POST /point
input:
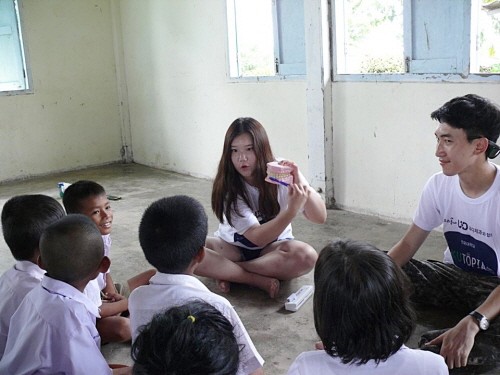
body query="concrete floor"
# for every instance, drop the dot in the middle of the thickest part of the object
(278, 334)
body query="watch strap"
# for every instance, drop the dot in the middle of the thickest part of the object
(481, 320)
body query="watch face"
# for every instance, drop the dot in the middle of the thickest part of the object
(482, 321)
(484, 324)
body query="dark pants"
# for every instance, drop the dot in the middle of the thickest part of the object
(447, 287)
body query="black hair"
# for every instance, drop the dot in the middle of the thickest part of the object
(362, 310)
(477, 116)
(71, 249)
(24, 218)
(77, 192)
(229, 186)
(172, 231)
(192, 339)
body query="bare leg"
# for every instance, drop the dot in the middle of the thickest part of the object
(284, 260)
(219, 267)
(114, 329)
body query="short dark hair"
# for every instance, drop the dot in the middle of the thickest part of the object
(78, 191)
(172, 231)
(71, 249)
(24, 217)
(362, 310)
(477, 116)
(192, 339)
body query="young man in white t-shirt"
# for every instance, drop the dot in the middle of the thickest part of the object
(465, 199)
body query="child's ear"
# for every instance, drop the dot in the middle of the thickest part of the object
(39, 262)
(104, 265)
(36, 255)
(200, 255)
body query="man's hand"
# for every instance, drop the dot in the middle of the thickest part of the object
(457, 342)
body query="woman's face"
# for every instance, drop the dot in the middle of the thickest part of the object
(243, 157)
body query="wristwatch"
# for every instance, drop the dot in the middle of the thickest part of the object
(482, 321)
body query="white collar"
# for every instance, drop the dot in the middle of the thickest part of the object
(54, 286)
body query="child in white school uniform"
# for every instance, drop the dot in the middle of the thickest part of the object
(362, 314)
(89, 198)
(53, 330)
(172, 235)
(181, 341)
(24, 217)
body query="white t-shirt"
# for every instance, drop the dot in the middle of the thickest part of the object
(471, 226)
(406, 361)
(53, 332)
(15, 283)
(168, 290)
(250, 217)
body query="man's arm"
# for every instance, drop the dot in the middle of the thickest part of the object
(404, 250)
(457, 342)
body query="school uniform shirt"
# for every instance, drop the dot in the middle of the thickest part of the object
(168, 290)
(250, 216)
(93, 292)
(405, 361)
(94, 287)
(53, 332)
(15, 283)
(101, 278)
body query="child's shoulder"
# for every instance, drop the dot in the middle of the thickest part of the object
(21, 278)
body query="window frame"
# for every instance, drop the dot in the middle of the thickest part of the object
(24, 54)
(232, 47)
(411, 76)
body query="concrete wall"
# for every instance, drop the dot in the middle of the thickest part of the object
(72, 119)
(181, 101)
(384, 144)
(172, 84)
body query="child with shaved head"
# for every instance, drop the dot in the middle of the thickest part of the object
(53, 330)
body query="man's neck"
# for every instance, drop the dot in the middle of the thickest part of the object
(476, 183)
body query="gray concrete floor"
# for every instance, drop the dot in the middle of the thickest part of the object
(278, 334)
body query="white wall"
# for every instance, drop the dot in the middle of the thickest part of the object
(181, 102)
(383, 142)
(72, 119)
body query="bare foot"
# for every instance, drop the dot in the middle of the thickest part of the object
(224, 286)
(274, 288)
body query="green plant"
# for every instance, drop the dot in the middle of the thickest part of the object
(382, 65)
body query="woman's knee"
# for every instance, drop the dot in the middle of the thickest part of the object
(310, 256)
(303, 254)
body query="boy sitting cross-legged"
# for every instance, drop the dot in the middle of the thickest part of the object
(53, 331)
(172, 235)
(24, 217)
(90, 199)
